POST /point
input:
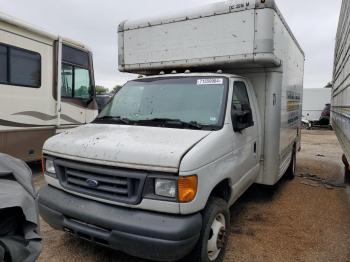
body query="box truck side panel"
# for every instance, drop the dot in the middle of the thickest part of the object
(341, 81)
(279, 93)
(292, 87)
(197, 40)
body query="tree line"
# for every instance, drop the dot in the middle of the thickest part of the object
(100, 90)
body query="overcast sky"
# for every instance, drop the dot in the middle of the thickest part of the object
(95, 22)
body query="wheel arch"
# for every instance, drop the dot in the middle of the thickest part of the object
(222, 190)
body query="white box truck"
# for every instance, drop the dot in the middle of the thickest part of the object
(315, 101)
(340, 112)
(219, 110)
(47, 85)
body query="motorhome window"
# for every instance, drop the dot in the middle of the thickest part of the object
(25, 68)
(67, 81)
(3, 64)
(81, 83)
(75, 56)
(190, 99)
(75, 82)
(19, 67)
(240, 101)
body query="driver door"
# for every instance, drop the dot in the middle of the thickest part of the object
(246, 133)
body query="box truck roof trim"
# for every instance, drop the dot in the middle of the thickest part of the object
(206, 11)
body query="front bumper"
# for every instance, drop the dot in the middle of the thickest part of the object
(139, 233)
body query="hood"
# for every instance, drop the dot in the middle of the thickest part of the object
(150, 148)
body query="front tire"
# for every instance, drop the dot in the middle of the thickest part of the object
(214, 234)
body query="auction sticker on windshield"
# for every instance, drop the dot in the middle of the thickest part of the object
(210, 81)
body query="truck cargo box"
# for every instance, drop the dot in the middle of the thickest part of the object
(227, 34)
(341, 81)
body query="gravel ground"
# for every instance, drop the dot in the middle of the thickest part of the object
(299, 220)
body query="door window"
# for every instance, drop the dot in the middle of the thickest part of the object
(242, 116)
(240, 100)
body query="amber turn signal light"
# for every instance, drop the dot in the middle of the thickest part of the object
(187, 188)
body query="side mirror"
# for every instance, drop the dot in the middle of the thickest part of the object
(241, 119)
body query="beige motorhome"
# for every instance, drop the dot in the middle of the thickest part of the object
(47, 86)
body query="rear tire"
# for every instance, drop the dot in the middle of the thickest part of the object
(290, 173)
(214, 233)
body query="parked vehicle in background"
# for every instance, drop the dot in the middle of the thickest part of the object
(102, 100)
(340, 111)
(322, 122)
(305, 124)
(47, 86)
(155, 174)
(325, 115)
(314, 102)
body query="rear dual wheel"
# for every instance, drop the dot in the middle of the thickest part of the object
(291, 171)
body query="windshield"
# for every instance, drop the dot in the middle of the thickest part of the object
(187, 100)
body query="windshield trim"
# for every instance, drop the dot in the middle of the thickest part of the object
(216, 127)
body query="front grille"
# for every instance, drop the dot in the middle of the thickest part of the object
(115, 184)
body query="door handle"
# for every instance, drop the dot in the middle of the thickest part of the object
(255, 147)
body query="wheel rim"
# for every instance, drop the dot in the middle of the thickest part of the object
(217, 237)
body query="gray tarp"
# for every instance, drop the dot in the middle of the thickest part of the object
(19, 225)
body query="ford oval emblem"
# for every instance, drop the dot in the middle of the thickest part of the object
(92, 182)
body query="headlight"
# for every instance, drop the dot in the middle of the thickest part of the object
(165, 187)
(49, 166)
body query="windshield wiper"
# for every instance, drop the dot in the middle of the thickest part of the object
(123, 120)
(194, 124)
(172, 122)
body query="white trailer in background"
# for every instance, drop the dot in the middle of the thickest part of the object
(219, 110)
(46, 86)
(341, 83)
(314, 102)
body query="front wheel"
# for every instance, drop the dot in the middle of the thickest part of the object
(215, 230)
